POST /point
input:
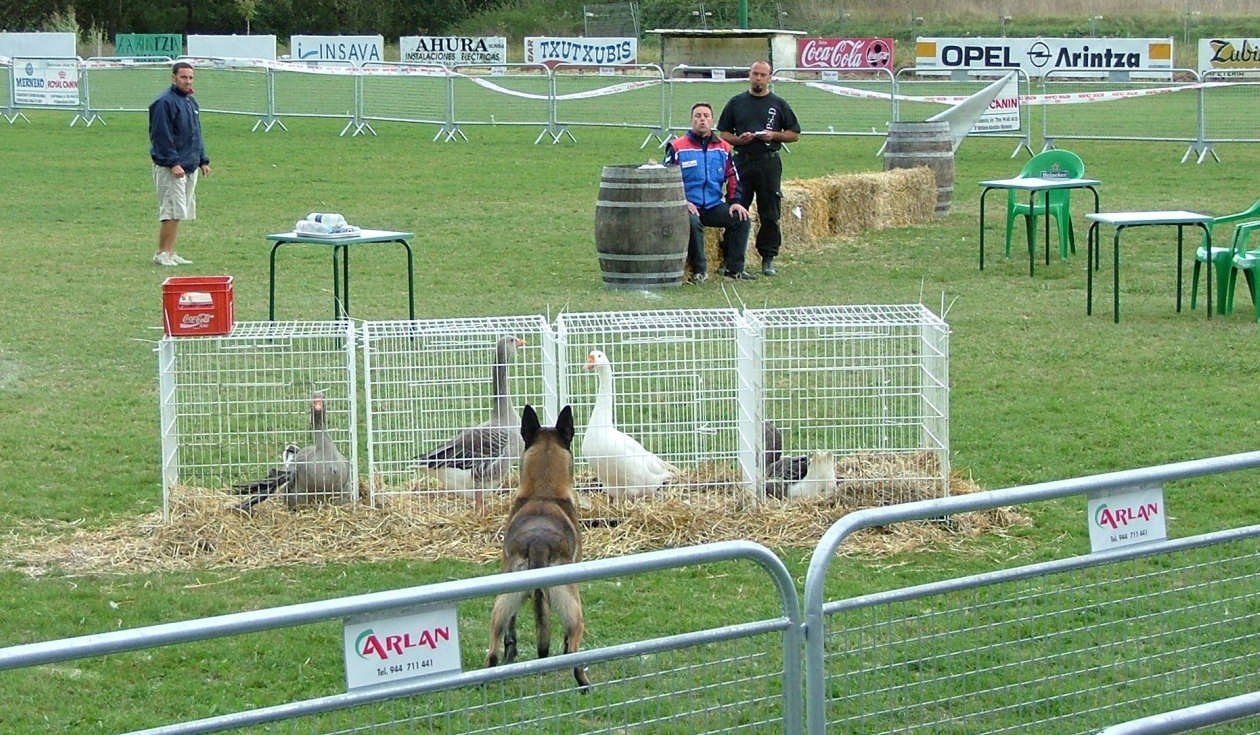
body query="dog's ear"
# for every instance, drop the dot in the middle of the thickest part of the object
(529, 425)
(564, 425)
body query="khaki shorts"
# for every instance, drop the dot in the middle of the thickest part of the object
(177, 198)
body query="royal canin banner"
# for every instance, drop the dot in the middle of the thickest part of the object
(844, 53)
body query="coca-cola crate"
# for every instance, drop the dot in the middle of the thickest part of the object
(197, 306)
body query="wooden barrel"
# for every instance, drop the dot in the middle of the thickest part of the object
(641, 227)
(913, 144)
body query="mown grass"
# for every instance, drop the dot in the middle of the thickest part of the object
(504, 226)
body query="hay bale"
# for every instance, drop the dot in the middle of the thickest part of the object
(851, 196)
(843, 204)
(908, 197)
(805, 211)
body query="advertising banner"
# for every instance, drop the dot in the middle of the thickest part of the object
(352, 49)
(1228, 54)
(1036, 56)
(254, 46)
(53, 44)
(409, 643)
(1125, 516)
(453, 50)
(586, 51)
(844, 53)
(134, 45)
(993, 109)
(46, 82)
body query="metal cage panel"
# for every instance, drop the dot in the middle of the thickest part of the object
(675, 386)
(427, 380)
(229, 404)
(870, 384)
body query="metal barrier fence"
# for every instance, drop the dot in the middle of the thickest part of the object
(1240, 713)
(1198, 111)
(921, 92)
(1231, 103)
(1065, 646)
(734, 676)
(1152, 105)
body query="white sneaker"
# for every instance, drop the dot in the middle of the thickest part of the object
(164, 258)
(180, 260)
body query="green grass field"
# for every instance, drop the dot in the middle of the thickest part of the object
(504, 226)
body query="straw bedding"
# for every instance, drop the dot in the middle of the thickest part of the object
(840, 205)
(206, 532)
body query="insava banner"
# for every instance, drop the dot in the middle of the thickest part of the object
(352, 49)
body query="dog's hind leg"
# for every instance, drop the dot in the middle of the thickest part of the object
(542, 622)
(509, 641)
(503, 628)
(568, 606)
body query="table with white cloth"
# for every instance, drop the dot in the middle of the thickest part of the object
(1034, 185)
(341, 244)
(1121, 221)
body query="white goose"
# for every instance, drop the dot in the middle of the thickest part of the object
(623, 466)
(798, 477)
(480, 457)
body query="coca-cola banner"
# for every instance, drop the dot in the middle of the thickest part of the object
(844, 53)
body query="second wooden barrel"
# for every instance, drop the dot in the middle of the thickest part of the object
(913, 144)
(641, 227)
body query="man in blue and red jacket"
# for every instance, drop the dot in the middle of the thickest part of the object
(712, 190)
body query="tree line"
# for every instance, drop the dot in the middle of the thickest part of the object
(283, 18)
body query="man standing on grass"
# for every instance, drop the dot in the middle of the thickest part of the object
(757, 123)
(712, 190)
(179, 156)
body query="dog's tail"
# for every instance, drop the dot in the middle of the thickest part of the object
(539, 555)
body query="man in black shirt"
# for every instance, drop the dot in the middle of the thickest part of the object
(757, 123)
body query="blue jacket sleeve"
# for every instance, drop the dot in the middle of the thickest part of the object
(162, 134)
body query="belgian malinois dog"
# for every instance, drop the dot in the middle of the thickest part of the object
(542, 531)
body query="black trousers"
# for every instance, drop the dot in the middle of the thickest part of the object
(734, 239)
(760, 178)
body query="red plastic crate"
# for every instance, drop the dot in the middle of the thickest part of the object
(197, 306)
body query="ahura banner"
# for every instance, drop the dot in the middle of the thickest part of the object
(453, 50)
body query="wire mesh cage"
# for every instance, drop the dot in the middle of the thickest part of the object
(778, 402)
(428, 381)
(868, 385)
(671, 384)
(230, 404)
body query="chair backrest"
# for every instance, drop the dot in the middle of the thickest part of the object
(1055, 163)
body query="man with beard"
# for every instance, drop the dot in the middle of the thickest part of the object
(757, 123)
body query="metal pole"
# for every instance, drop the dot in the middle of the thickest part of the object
(743, 14)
